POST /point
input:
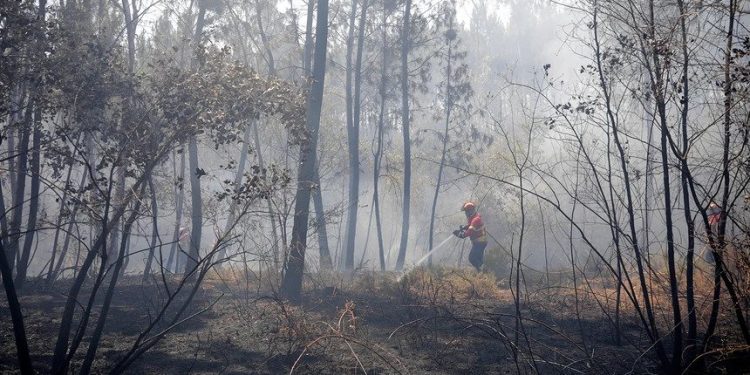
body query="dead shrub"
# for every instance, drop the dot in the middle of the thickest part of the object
(444, 286)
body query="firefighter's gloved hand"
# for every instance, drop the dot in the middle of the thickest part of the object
(457, 233)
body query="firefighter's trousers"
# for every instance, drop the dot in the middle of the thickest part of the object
(476, 255)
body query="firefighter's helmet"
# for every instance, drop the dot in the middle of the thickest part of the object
(469, 207)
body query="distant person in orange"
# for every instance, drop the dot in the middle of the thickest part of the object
(476, 232)
(714, 213)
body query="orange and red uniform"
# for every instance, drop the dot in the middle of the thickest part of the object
(475, 231)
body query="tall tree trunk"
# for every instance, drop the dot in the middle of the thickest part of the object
(652, 328)
(23, 264)
(179, 193)
(19, 195)
(405, 114)
(658, 89)
(448, 109)
(347, 253)
(269, 205)
(354, 107)
(291, 285)
(378, 156)
(96, 335)
(320, 223)
(237, 181)
(320, 220)
(307, 51)
(60, 357)
(195, 186)
(154, 230)
(58, 225)
(68, 232)
(264, 39)
(691, 341)
(16, 315)
(259, 151)
(720, 246)
(197, 208)
(581, 330)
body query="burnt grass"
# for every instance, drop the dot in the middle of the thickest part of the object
(444, 322)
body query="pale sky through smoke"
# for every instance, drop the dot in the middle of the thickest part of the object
(501, 10)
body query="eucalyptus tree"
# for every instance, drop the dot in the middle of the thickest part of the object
(456, 93)
(354, 110)
(405, 129)
(291, 285)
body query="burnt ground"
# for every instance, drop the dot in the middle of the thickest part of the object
(444, 322)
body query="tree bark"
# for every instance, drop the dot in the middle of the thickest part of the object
(651, 328)
(23, 264)
(196, 200)
(96, 335)
(320, 223)
(354, 107)
(291, 285)
(19, 330)
(154, 230)
(320, 220)
(657, 87)
(405, 114)
(448, 109)
(378, 156)
(174, 252)
(19, 195)
(691, 341)
(237, 181)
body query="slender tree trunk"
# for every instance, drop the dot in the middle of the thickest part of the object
(58, 226)
(357, 111)
(96, 335)
(98, 248)
(59, 360)
(196, 200)
(544, 237)
(691, 341)
(16, 315)
(720, 246)
(20, 190)
(320, 224)
(657, 87)
(448, 109)
(237, 181)
(23, 264)
(179, 193)
(264, 39)
(69, 230)
(405, 114)
(651, 329)
(307, 50)
(269, 205)
(154, 229)
(581, 330)
(378, 156)
(517, 296)
(320, 220)
(197, 208)
(347, 257)
(291, 286)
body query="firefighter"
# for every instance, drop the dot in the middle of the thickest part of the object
(476, 233)
(714, 213)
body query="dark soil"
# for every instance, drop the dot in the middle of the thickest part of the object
(451, 323)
